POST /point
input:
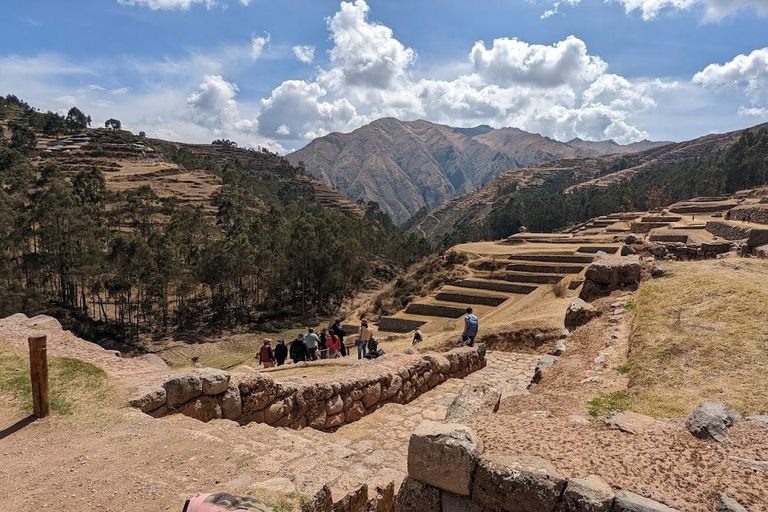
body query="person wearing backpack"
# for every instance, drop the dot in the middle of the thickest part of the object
(471, 326)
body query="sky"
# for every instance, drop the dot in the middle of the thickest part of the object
(279, 73)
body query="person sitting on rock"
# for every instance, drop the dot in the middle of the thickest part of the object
(471, 326)
(281, 352)
(266, 356)
(417, 337)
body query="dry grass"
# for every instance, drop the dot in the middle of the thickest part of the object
(559, 288)
(701, 334)
(306, 371)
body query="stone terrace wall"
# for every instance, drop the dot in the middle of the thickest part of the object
(755, 213)
(448, 471)
(726, 230)
(326, 404)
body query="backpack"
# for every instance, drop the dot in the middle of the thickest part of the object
(472, 324)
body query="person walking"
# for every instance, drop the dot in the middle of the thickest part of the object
(281, 352)
(311, 341)
(334, 346)
(363, 337)
(340, 332)
(298, 349)
(471, 326)
(266, 356)
(323, 344)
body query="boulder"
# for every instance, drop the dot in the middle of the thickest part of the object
(355, 501)
(631, 239)
(454, 503)
(472, 399)
(611, 272)
(335, 405)
(231, 406)
(631, 502)
(544, 362)
(560, 347)
(214, 381)
(322, 501)
(444, 455)
(415, 496)
(182, 388)
(631, 422)
(727, 504)
(627, 250)
(657, 272)
(579, 313)
(355, 412)
(148, 398)
(517, 484)
(204, 408)
(384, 500)
(590, 494)
(711, 420)
(334, 421)
(371, 394)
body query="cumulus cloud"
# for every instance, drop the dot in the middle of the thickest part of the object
(560, 90)
(753, 112)
(258, 43)
(747, 74)
(714, 10)
(305, 53)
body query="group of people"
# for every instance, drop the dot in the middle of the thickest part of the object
(329, 344)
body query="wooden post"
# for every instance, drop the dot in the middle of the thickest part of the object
(38, 371)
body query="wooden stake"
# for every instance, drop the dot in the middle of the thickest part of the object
(38, 371)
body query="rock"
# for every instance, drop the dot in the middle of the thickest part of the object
(214, 381)
(454, 503)
(577, 419)
(711, 420)
(322, 501)
(415, 496)
(559, 349)
(154, 360)
(657, 272)
(471, 400)
(631, 422)
(544, 362)
(631, 239)
(334, 421)
(618, 304)
(631, 502)
(626, 250)
(204, 408)
(591, 380)
(335, 405)
(277, 484)
(276, 411)
(148, 398)
(231, 406)
(384, 500)
(579, 313)
(590, 494)
(517, 484)
(355, 412)
(754, 465)
(371, 394)
(444, 455)
(182, 388)
(564, 334)
(727, 504)
(411, 351)
(600, 359)
(760, 418)
(355, 501)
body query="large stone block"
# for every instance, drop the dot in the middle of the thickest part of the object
(321, 501)
(444, 455)
(631, 502)
(473, 399)
(148, 399)
(517, 484)
(231, 406)
(371, 394)
(204, 408)
(182, 388)
(590, 494)
(453, 503)
(214, 381)
(415, 496)
(355, 501)
(579, 313)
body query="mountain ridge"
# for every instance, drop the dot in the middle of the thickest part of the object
(407, 166)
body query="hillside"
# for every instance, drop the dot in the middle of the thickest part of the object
(407, 166)
(555, 194)
(133, 236)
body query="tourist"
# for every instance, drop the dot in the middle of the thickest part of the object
(417, 337)
(281, 352)
(334, 345)
(311, 341)
(471, 326)
(266, 357)
(364, 336)
(340, 332)
(323, 344)
(298, 349)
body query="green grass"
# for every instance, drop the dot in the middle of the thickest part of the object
(602, 404)
(72, 382)
(630, 306)
(624, 368)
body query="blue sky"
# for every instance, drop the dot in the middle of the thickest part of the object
(279, 73)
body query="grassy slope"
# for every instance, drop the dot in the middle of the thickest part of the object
(700, 334)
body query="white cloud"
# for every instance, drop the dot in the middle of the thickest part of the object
(178, 5)
(283, 130)
(305, 53)
(213, 104)
(258, 43)
(753, 112)
(714, 10)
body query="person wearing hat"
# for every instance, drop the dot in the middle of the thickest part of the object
(266, 356)
(281, 352)
(298, 349)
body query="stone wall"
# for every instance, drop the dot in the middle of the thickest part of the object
(726, 230)
(448, 471)
(755, 213)
(251, 396)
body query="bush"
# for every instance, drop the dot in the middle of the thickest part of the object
(558, 288)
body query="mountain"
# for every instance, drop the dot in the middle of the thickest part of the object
(607, 147)
(552, 195)
(409, 165)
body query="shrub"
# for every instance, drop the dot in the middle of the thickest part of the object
(558, 288)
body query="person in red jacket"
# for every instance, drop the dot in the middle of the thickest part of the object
(266, 356)
(333, 343)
